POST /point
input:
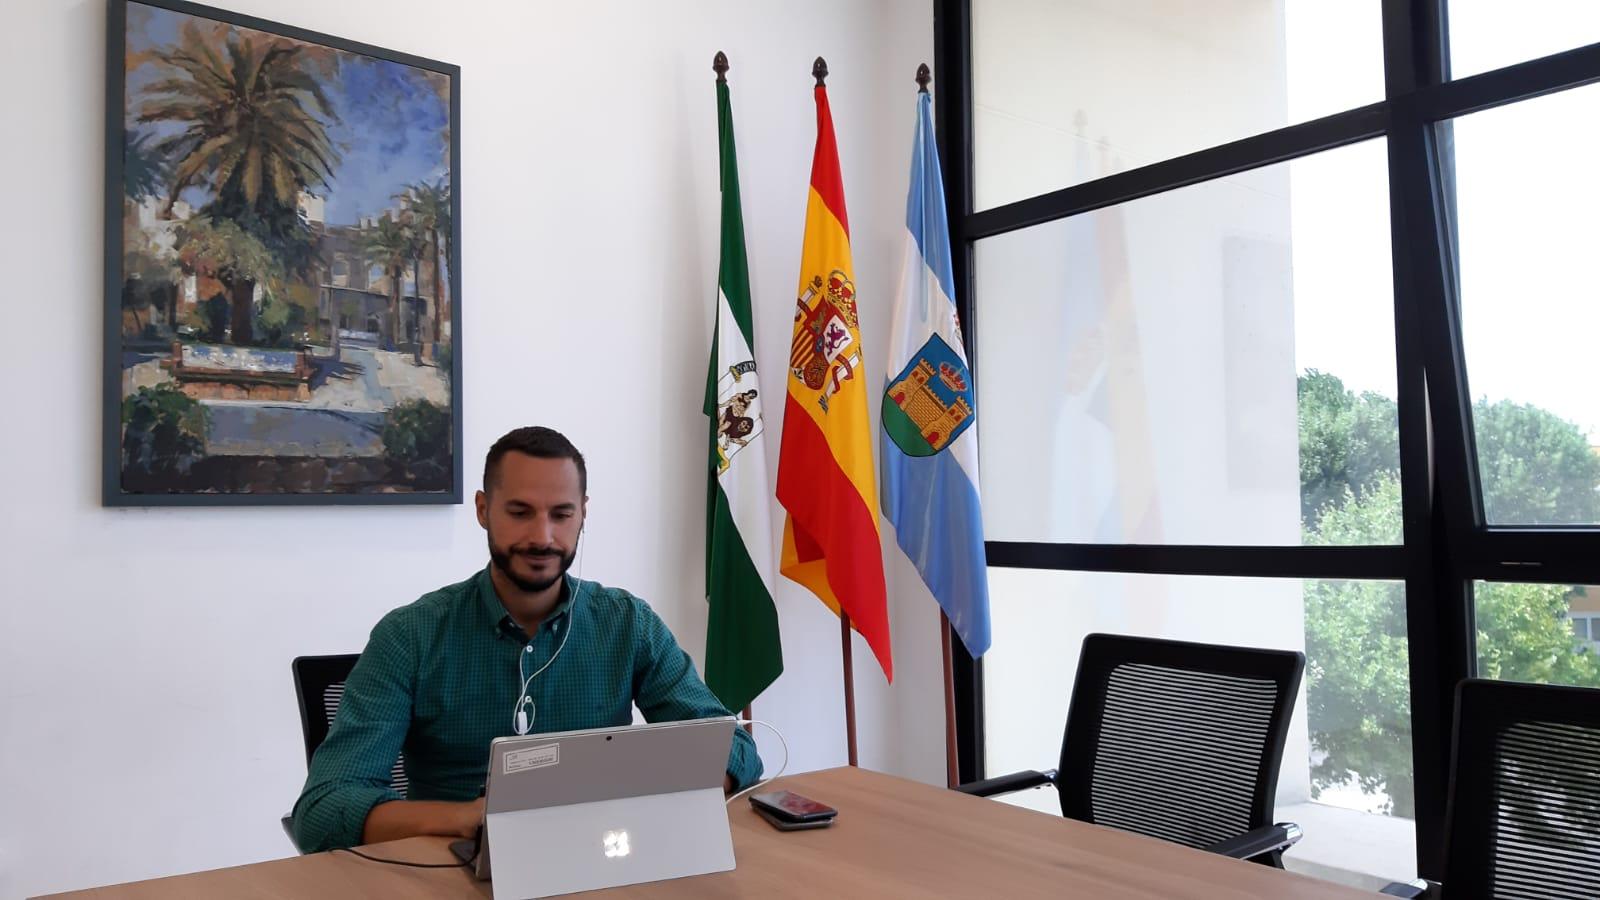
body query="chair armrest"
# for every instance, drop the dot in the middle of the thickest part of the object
(1006, 784)
(1258, 841)
(1411, 890)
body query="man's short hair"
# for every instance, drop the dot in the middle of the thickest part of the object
(536, 441)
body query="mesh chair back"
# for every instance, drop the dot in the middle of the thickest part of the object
(319, 687)
(1524, 816)
(1175, 740)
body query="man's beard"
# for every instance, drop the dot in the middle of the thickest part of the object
(502, 559)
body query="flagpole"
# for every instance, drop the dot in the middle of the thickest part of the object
(952, 769)
(849, 686)
(719, 64)
(750, 715)
(819, 70)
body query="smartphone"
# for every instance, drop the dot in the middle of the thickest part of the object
(791, 807)
(786, 825)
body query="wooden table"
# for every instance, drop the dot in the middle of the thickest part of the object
(893, 838)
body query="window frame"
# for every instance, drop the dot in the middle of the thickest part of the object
(1447, 543)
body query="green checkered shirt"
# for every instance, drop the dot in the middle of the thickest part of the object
(439, 680)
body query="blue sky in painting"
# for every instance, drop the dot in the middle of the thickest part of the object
(389, 127)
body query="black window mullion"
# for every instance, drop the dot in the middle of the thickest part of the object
(1282, 145)
(1430, 409)
(1550, 555)
(1173, 559)
(1512, 84)
(952, 98)
(1429, 719)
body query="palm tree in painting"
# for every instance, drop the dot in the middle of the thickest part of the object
(430, 205)
(144, 168)
(391, 246)
(254, 136)
(416, 246)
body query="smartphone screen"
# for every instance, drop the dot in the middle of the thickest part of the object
(793, 807)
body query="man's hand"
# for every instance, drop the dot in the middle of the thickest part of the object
(472, 819)
(728, 784)
(409, 818)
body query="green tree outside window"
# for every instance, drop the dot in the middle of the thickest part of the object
(1536, 468)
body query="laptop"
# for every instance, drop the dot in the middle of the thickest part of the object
(605, 807)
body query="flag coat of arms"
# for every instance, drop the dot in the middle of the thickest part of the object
(928, 444)
(826, 481)
(743, 651)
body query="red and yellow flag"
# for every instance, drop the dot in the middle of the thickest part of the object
(826, 479)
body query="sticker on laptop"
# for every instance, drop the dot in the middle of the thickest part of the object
(532, 758)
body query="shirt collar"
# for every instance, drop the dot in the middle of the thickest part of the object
(496, 612)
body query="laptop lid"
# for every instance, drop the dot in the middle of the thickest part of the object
(582, 810)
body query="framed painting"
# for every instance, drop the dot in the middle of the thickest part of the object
(282, 263)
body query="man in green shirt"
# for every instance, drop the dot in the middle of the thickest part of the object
(520, 647)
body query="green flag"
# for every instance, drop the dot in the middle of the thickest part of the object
(743, 653)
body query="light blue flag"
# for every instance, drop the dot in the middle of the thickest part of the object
(928, 448)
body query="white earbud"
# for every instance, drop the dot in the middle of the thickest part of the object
(523, 721)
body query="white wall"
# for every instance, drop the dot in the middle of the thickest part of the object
(147, 719)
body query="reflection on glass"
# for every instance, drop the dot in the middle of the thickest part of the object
(1211, 365)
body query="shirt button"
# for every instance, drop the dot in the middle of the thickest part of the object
(528, 649)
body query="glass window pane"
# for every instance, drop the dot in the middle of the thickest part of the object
(1346, 777)
(1580, 628)
(1523, 632)
(1526, 247)
(1065, 91)
(1490, 34)
(1212, 365)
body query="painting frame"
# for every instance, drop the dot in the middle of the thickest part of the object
(113, 489)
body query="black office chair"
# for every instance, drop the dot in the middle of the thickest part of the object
(319, 687)
(1177, 741)
(1524, 814)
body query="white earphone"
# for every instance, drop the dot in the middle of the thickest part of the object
(526, 710)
